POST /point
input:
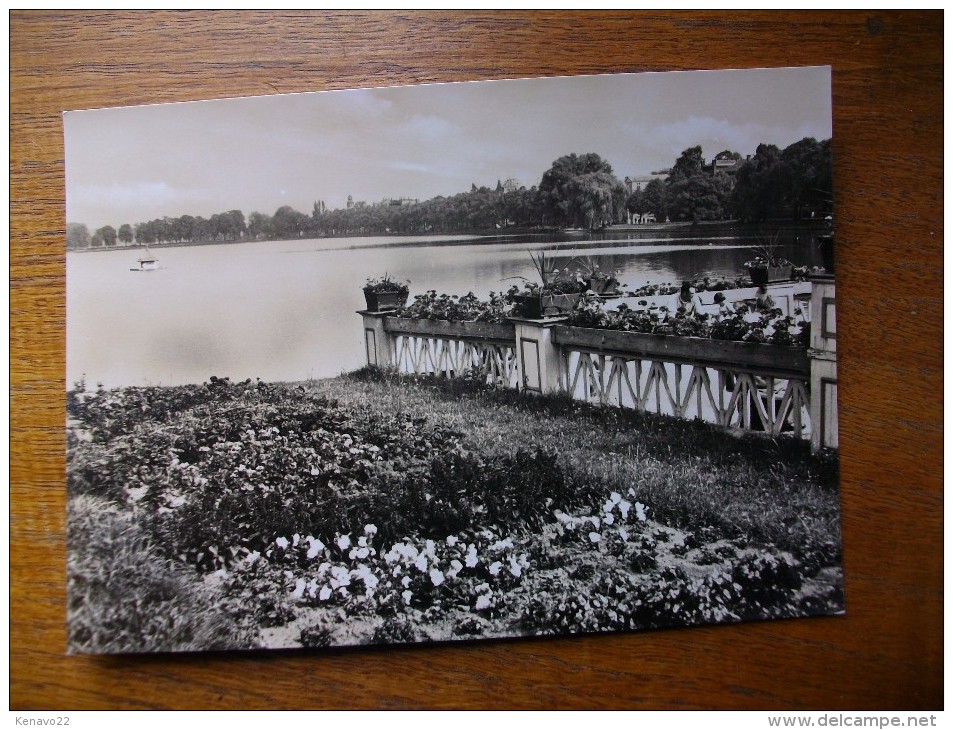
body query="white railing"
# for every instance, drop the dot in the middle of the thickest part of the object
(744, 386)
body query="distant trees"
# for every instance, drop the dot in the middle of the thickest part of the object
(77, 236)
(655, 199)
(576, 190)
(582, 191)
(107, 234)
(125, 234)
(796, 182)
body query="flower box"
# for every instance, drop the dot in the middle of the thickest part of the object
(763, 275)
(763, 358)
(537, 306)
(384, 301)
(504, 331)
(602, 285)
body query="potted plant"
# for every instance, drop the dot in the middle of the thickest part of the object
(596, 280)
(558, 293)
(767, 266)
(383, 293)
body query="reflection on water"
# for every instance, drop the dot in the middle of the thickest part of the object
(286, 310)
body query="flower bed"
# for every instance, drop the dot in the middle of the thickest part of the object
(329, 524)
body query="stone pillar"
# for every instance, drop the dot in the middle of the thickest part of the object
(823, 354)
(378, 343)
(536, 356)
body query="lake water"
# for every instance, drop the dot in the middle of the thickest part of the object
(285, 310)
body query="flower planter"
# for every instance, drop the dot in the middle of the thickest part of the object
(503, 331)
(537, 306)
(763, 358)
(384, 301)
(602, 285)
(763, 275)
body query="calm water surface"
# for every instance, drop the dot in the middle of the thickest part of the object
(285, 310)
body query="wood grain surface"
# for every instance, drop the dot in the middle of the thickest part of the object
(886, 653)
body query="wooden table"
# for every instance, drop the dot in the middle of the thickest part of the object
(888, 123)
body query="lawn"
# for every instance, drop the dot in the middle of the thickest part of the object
(376, 508)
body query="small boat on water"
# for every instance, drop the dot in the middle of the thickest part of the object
(147, 262)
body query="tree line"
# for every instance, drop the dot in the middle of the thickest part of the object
(577, 191)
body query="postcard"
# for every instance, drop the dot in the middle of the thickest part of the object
(452, 362)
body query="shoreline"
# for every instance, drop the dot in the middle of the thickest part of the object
(489, 236)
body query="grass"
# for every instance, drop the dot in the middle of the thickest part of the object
(692, 474)
(124, 596)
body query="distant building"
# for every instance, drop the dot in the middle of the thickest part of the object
(397, 202)
(638, 182)
(511, 185)
(727, 166)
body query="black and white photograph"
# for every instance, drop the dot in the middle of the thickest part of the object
(464, 361)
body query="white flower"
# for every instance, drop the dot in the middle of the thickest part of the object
(436, 577)
(624, 534)
(615, 498)
(315, 471)
(495, 568)
(405, 581)
(299, 588)
(595, 537)
(640, 511)
(316, 546)
(340, 577)
(562, 516)
(451, 541)
(252, 557)
(344, 542)
(471, 557)
(624, 507)
(609, 519)
(482, 587)
(295, 539)
(421, 563)
(313, 587)
(325, 593)
(362, 553)
(429, 547)
(407, 595)
(595, 522)
(516, 570)
(483, 602)
(362, 542)
(282, 542)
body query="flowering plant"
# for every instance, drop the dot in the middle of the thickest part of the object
(453, 308)
(766, 255)
(384, 284)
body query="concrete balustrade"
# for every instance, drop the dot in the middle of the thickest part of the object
(747, 386)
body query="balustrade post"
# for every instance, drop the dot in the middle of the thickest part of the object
(823, 354)
(378, 342)
(537, 356)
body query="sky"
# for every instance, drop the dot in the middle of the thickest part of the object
(133, 164)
